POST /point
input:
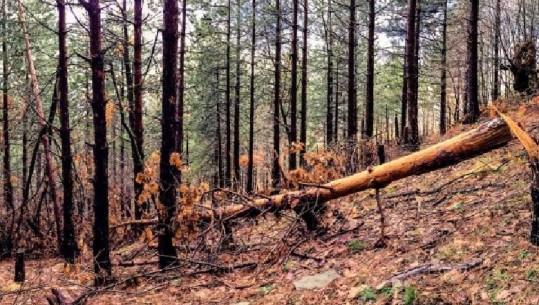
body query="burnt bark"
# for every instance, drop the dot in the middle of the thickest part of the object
(68, 242)
(275, 170)
(250, 165)
(167, 194)
(369, 97)
(472, 86)
(293, 134)
(303, 111)
(101, 248)
(443, 77)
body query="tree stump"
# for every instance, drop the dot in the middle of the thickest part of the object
(19, 267)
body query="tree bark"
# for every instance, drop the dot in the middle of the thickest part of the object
(68, 245)
(250, 166)
(237, 99)
(443, 77)
(8, 186)
(304, 76)
(472, 106)
(228, 148)
(352, 89)
(136, 111)
(497, 26)
(101, 249)
(181, 81)
(293, 137)
(330, 129)
(411, 62)
(275, 170)
(167, 194)
(369, 96)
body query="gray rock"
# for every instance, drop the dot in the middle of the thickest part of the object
(316, 281)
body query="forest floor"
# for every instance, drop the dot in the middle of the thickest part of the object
(456, 236)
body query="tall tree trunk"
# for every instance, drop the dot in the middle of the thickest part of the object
(303, 125)
(497, 25)
(404, 100)
(49, 167)
(181, 81)
(330, 129)
(369, 97)
(275, 171)
(237, 92)
(136, 110)
(221, 176)
(472, 106)
(337, 103)
(228, 148)
(69, 245)
(411, 77)
(443, 77)
(101, 249)
(167, 194)
(292, 160)
(250, 166)
(352, 89)
(8, 186)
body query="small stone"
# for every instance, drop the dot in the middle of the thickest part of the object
(316, 281)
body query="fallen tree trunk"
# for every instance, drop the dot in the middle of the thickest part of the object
(486, 137)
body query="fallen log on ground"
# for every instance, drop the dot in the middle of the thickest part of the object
(486, 137)
(532, 151)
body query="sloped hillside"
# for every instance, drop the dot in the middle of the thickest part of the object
(455, 236)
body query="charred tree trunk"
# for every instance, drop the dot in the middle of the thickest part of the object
(369, 97)
(303, 125)
(68, 245)
(237, 99)
(292, 160)
(330, 120)
(275, 171)
(136, 112)
(497, 26)
(181, 88)
(228, 148)
(250, 166)
(101, 249)
(352, 89)
(443, 77)
(167, 194)
(8, 186)
(411, 63)
(472, 106)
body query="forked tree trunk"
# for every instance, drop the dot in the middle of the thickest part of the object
(36, 91)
